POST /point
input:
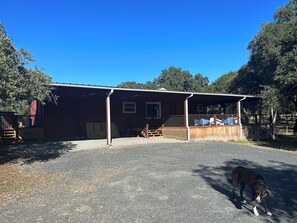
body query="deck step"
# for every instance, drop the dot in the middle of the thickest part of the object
(147, 133)
(8, 135)
(155, 133)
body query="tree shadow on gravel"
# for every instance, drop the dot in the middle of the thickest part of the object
(280, 177)
(31, 152)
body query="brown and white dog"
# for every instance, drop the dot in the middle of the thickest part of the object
(243, 176)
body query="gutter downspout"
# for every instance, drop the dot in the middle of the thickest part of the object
(239, 116)
(108, 124)
(186, 120)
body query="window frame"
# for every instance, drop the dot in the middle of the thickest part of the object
(159, 112)
(129, 103)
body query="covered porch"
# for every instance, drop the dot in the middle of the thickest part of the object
(85, 111)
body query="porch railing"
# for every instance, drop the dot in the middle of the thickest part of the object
(20, 121)
(203, 120)
(7, 122)
(29, 121)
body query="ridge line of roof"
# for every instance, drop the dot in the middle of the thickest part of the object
(145, 90)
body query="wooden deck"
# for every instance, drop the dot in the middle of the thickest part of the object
(224, 132)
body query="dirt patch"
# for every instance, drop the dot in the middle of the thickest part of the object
(17, 182)
(18, 177)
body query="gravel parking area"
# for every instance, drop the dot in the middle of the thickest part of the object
(149, 180)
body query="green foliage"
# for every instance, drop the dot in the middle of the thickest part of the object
(19, 85)
(172, 79)
(245, 82)
(223, 83)
(136, 85)
(175, 79)
(201, 83)
(272, 68)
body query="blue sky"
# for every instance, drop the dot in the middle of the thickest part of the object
(106, 42)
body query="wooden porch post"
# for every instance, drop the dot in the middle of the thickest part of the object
(108, 124)
(186, 116)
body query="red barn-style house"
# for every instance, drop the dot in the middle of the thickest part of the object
(86, 111)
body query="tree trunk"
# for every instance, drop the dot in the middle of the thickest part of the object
(273, 120)
(295, 128)
(246, 117)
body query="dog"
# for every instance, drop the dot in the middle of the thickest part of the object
(243, 176)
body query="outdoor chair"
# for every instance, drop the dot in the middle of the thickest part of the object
(201, 122)
(218, 121)
(229, 121)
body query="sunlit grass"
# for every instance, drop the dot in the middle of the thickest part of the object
(284, 142)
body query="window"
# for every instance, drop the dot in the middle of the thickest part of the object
(153, 110)
(129, 107)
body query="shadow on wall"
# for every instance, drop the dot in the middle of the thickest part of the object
(281, 178)
(34, 152)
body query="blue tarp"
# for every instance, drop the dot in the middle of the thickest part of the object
(229, 121)
(203, 121)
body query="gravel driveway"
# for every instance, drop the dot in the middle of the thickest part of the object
(151, 180)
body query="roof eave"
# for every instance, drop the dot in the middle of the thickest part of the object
(152, 91)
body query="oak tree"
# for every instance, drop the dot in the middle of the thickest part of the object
(20, 85)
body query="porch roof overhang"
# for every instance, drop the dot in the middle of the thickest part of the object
(74, 91)
(127, 92)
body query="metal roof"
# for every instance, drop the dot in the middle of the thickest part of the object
(151, 91)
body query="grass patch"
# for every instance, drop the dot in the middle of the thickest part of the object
(6, 186)
(283, 142)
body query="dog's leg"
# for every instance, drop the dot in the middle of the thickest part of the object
(255, 208)
(234, 185)
(254, 197)
(242, 186)
(266, 208)
(233, 194)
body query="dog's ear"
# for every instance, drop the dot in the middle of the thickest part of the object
(267, 192)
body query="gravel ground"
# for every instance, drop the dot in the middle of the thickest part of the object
(148, 180)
